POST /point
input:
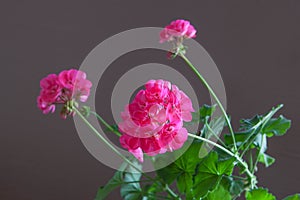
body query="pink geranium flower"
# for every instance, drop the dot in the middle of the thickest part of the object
(153, 122)
(50, 88)
(69, 85)
(75, 83)
(178, 29)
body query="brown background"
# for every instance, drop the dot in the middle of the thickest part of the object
(254, 43)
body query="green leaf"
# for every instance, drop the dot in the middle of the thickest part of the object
(185, 182)
(240, 138)
(215, 126)
(206, 112)
(183, 168)
(113, 183)
(244, 138)
(254, 133)
(274, 126)
(261, 142)
(277, 126)
(169, 173)
(131, 192)
(150, 191)
(259, 194)
(219, 193)
(131, 189)
(210, 173)
(247, 124)
(266, 159)
(293, 197)
(236, 187)
(127, 177)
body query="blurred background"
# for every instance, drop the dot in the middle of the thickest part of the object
(255, 45)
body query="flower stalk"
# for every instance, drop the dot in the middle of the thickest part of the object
(214, 96)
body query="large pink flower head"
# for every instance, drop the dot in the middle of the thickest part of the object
(69, 86)
(178, 30)
(153, 122)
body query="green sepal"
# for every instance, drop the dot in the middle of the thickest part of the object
(85, 111)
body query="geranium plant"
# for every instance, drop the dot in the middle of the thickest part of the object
(153, 124)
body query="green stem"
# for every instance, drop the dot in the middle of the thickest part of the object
(243, 163)
(108, 143)
(260, 124)
(216, 136)
(239, 177)
(248, 146)
(140, 181)
(267, 118)
(214, 96)
(106, 124)
(116, 151)
(170, 192)
(251, 161)
(263, 137)
(263, 121)
(258, 154)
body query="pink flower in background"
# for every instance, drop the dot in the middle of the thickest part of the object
(45, 106)
(153, 122)
(75, 84)
(177, 29)
(69, 85)
(51, 88)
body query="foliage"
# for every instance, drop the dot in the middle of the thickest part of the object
(214, 176)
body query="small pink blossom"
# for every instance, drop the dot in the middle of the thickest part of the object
(181, 29)
(69, 85)
(153, 122)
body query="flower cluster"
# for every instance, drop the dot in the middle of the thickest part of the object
(178, 29)
(65, 88)
(153, 122)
